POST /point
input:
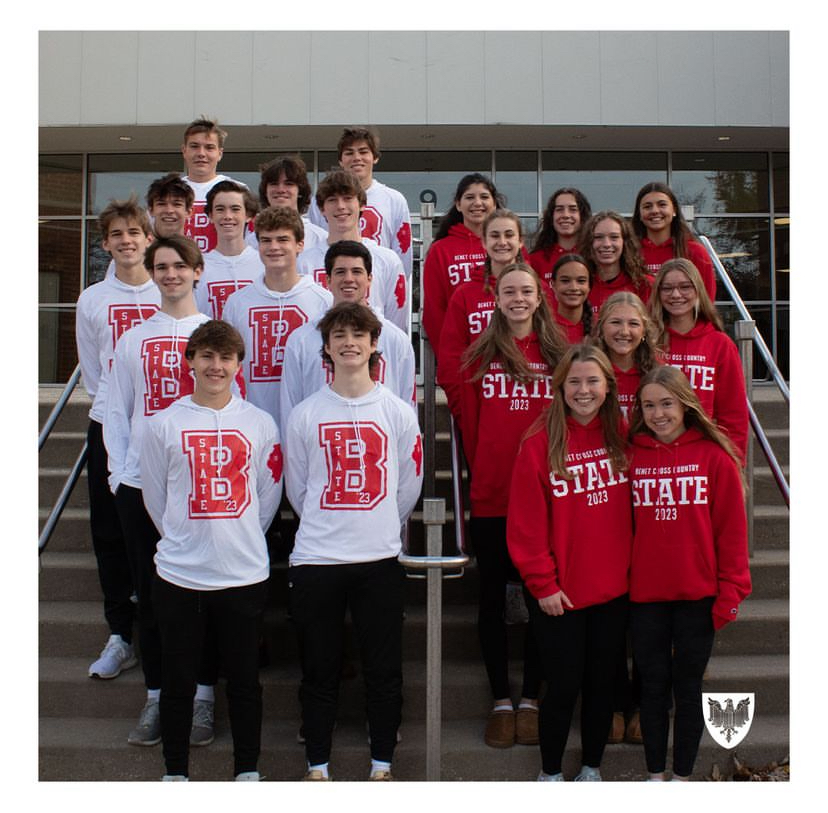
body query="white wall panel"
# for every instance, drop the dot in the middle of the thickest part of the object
(224, 76)
(166, 77)
(513, 77)
(743, 92)
(456, 65)
(571, 77)
(339, 77)
(397, 77)
(629, 78)
(281, 78)
(109, 87)
(60, 56)
(686, 78)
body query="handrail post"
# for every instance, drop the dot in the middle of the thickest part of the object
(428, 369)
(745, 332)
(434, 516)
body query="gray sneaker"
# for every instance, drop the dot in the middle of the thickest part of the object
(116, 656)
(148, 730)
(202, 731)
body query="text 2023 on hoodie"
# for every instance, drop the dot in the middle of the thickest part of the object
(571, 535)
(690, 524)
(710, 360)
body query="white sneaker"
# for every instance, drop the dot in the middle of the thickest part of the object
(176, 777)
(550, 777)
(249, 776)
(116, 656)
(588, 774)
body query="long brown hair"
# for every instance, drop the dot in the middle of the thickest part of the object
(609, 412)
(704, 305)
(631, 262)
(679, 230)
(496, 341)
(646, 355)
(675, 382)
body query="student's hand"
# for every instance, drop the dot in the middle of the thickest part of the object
(554, 604)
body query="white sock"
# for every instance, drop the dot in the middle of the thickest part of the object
(205, 693)
(323, 767)
(377, 765)
(503, 707)
(154, 694)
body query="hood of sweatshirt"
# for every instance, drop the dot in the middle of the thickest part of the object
(114, 282)
(701, 328)
(305, 281)
(646, 441)
(459, 231)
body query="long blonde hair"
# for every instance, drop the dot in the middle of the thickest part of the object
(676, 383)
(646, 354)
(496, 340)
(609, 412)
(704, 305)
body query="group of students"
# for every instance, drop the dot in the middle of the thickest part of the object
(241, 357)
(604, 422)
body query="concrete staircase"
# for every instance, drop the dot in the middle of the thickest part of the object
(84, 723)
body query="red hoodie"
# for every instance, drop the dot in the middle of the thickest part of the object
(468, 314)
(690, 524)
(601, 291)
(497, 410)
(710, 360)
(573, 331)
(627, 381)
(449, 263)
(655, 254)
(543, 260)
(571, 535)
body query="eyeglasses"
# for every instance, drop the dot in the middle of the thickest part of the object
(683, 288)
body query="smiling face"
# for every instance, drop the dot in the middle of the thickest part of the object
(678, 296)
(474, 204)
(663, 413)
(349, 281)
(585, 390)
(283, 193)
(278, 250)
(571, 285)
(350, 348)
(502, 241)
(518, 297)
(228, 215)
(566, 217)
(341, 211)
(607, 243)
(214, 372)
(359, 159)
(169, 215)
(656, 211)
(622, 331)
(173, 276)
(126, 242)
(201, 153)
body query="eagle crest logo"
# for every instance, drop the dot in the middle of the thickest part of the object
(728, 716)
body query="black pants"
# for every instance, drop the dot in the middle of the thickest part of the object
(319, 597)
(108, 540)
(579, 652)
(236, 616)
(142, 537)
(495, 569)
(672, 642)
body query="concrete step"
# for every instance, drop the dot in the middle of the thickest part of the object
(66, 691)
(73, 576)
(77, 629)
(92, 749)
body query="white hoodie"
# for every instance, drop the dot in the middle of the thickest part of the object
(223, 275)
(305, 372)
(148, 374)
(265, 319)
(353, 473)
(212, 481)
(105, 311)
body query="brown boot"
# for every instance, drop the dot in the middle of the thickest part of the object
(633, 733)
(500, 729)
(526, 726)
(616, 732)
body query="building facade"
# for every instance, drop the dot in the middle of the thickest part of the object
(706, 112)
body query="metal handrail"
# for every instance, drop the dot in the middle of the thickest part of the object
(758, 341)
(58, 407)
(776, 469)
(74, 474)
